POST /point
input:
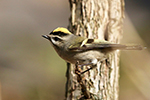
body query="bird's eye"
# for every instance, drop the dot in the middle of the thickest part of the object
(56, 39)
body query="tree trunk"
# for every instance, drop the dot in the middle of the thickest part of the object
(100, 19)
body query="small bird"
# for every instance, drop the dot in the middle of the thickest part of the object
(73, 48)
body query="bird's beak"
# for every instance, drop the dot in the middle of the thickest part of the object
(46, 36)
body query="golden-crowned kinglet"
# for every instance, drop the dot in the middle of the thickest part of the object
(73, 48)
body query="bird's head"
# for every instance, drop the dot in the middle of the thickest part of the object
(58, 37)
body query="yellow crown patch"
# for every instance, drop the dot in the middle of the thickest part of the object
(61, 29)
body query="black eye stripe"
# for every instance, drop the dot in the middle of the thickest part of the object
(59, 33)
(57, 39)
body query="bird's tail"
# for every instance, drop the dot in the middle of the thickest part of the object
(127, 47)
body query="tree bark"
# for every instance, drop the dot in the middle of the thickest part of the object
(100, 19)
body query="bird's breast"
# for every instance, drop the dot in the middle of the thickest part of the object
(82, 57)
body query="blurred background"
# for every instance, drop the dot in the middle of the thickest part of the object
(31, 70)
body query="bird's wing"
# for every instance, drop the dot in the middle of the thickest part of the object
(102, 45)
(92, 44)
